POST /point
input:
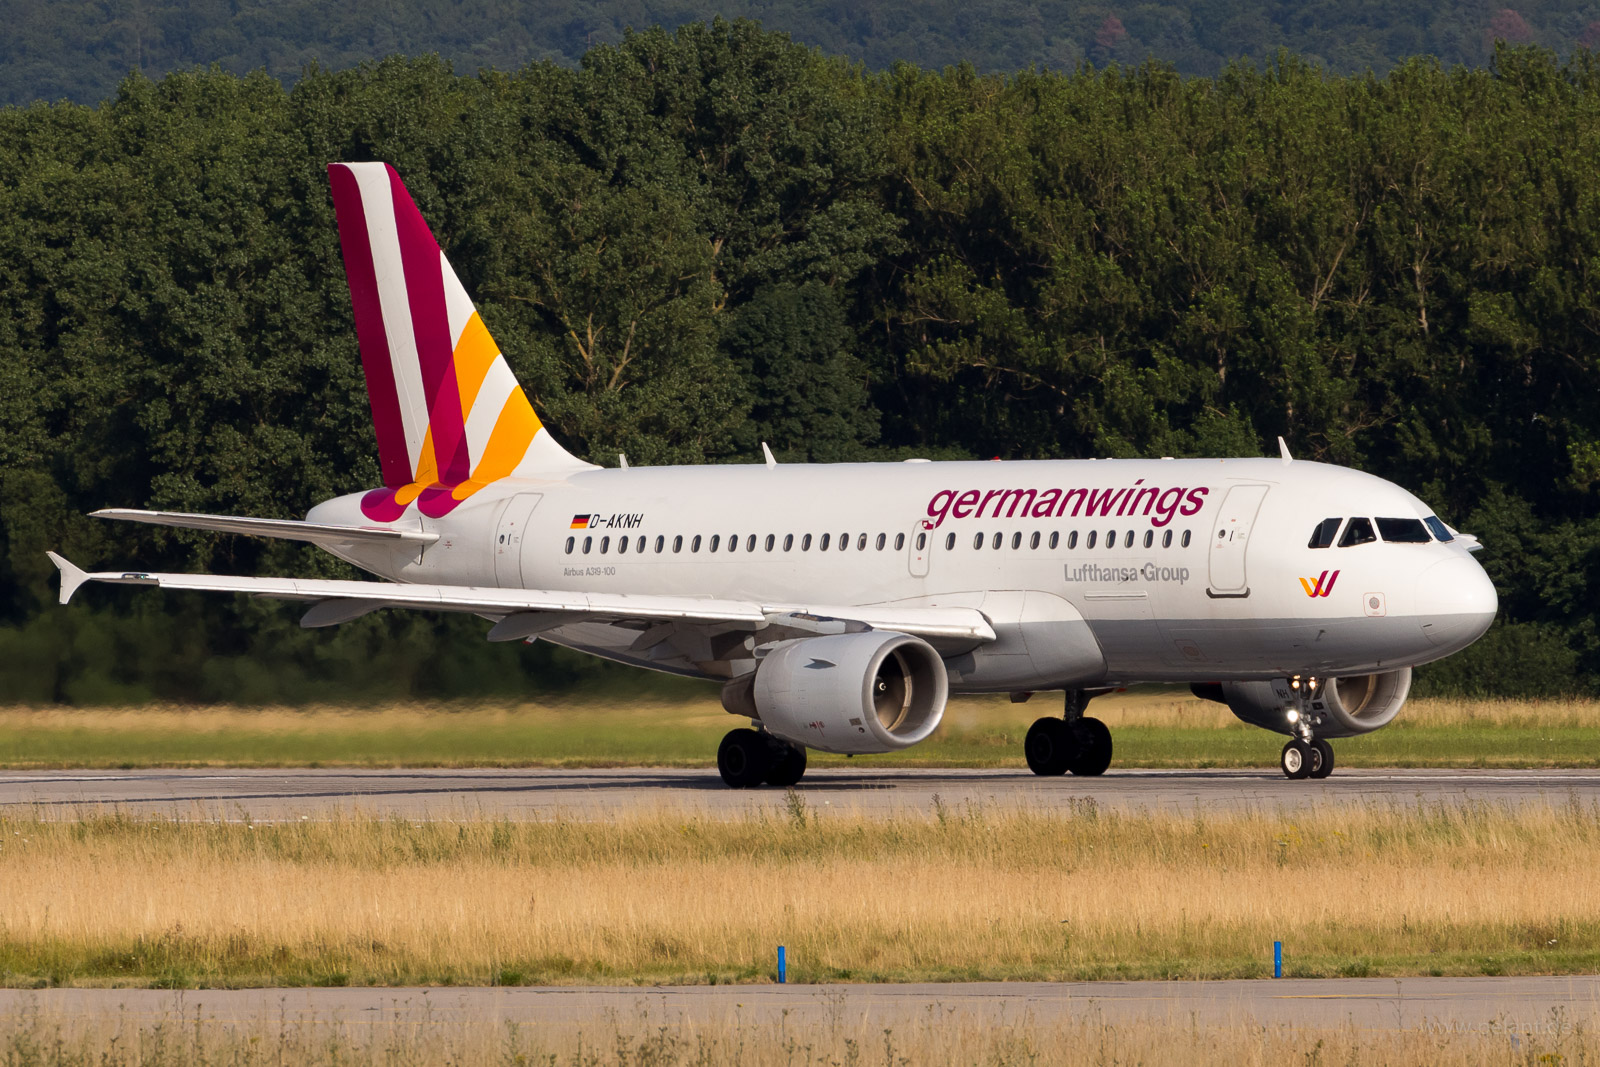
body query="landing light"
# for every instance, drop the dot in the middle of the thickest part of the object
(1294, 715)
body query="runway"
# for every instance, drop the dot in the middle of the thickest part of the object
(548, 793)
(1532, 1005)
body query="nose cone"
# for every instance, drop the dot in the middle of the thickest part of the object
(1456, 602)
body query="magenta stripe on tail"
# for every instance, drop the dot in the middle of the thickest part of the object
(430, 322)
(393, 457)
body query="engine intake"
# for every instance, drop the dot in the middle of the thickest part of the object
(1341, 707)
(854, 693)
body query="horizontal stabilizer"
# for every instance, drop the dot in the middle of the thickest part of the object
(360, 597)
(284, 529)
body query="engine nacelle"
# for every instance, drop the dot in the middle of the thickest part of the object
(856, 693)
(1341, 707)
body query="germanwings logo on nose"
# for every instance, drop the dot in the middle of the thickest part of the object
(1321, 585)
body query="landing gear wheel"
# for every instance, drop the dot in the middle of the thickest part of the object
(787, 763)
(1324, 767)
(1094, 747)
(1297, 759)
(1049, 747)
(743, 758)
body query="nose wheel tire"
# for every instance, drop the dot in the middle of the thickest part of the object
(1325, 767)
(1049, 747)
(1094, 747)
(1302, 760)
(743, 758)
(787, 763)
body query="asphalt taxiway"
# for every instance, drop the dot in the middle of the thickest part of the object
(545, 792)
(1508, 1005)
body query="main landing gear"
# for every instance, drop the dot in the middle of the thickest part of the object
(1073, 742)
(746, 758)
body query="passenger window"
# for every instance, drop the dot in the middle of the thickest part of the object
(977, 540)
(588, 542)
(922, 541)
(1127, 539)
(605, 545)
(677, 543)
(822, 545)
(882, 540)
(788, 542)
(694, 546)
(716, 542)
(861, 543)
(733, 542)
(805, 543)
(570, 542)
(1111, 539)
(844, 541)
(622, 545)
(1403, 531)
(1090, 542)
(998, 538)
(1440, 530)
(1185, 542)
(1149, 538)
(1016, 541)
(770, 542)
(1072, 540)
(949, 541)
(1322, 535)
(1055, 538)
(661, 542)
(1359, 532)
(750, 543)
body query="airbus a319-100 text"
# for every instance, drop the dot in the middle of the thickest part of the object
(840, 605)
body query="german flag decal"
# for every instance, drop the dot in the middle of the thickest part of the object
(580, 522)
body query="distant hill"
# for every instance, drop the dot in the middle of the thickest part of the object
(79, 50)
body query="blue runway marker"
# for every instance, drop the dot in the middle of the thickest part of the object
(783, 970)
(1277, 959)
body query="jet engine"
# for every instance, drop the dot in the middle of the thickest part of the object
(873, 691)
(1338, 707)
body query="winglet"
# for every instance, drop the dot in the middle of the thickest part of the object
(1283, 450)
(72, 576)
(767, 452)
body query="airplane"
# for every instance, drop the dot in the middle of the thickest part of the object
(840, 605)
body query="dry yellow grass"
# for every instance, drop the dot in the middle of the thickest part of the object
(663, 896)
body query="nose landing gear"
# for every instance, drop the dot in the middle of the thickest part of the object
(1307, 756)
(1073, 743)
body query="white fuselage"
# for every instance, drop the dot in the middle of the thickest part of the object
(1091, 572)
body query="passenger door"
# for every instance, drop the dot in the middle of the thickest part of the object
(508, 539)
(1230, 541)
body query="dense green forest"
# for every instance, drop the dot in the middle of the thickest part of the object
(1397, 273)
(80, 49)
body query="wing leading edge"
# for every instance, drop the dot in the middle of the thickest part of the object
(335, 601)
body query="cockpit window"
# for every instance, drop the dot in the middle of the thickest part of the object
(1322, 536)
(1403, 531)
(1359, 532)
(1440, 530)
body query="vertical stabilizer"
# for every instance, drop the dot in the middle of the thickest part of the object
(449, 415)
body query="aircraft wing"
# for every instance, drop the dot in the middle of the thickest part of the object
(285, 529)
(526, 612)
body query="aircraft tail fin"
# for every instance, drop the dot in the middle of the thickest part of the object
(449, 414)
